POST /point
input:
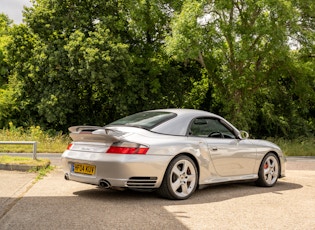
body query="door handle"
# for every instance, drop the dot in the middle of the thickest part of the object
(215, 148)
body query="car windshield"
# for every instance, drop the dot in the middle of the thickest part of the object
(146, 120)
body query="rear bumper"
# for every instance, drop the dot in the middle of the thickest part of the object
(131, 171)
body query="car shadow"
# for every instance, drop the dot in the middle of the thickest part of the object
(209, 194)
(95, 208)
(231, 191)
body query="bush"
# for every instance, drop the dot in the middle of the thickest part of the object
(48, 141)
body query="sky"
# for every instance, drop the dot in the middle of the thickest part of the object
(13, 8)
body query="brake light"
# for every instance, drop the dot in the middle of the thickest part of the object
(69, 146)
(127, 148)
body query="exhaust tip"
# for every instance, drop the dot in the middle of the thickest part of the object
(66, 176)
(104, 184)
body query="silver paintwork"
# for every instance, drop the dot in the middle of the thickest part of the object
(218, 159)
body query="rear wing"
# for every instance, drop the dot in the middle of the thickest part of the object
(94, 134)
(78, 129)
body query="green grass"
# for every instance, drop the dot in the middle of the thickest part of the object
(5, 159)
(298, 147)
(57, 143)
(41, 166)
(43, 171)
(46, 142)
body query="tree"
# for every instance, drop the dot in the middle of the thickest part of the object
(5, 23)
(244, 47)
(93, 62)
(7, 105)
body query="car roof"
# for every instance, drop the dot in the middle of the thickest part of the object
(179, 124)
(187, 112)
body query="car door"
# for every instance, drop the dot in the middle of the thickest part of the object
(230, 155)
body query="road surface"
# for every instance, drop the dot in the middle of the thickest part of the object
(54, 203)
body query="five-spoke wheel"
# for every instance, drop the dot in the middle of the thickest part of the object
(268, 171)
(180, 180)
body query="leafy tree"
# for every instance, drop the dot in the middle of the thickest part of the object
(244, 47)
(93, 61)
(7, 105)
(5, 23)
(90, 62)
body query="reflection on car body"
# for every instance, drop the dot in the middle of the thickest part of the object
(172, 151)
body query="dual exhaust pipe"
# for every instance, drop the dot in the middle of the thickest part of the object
(103, 183)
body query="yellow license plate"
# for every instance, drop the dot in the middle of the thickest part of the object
(84, 168)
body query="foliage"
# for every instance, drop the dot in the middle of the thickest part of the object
(90, 62)
(297, 147)
(7, 104)
(4, 39)
(254, 74)
(48, 141)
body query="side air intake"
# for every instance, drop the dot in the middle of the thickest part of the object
(141, 182)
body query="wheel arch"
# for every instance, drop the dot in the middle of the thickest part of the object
(278, 158)
(267, 174)
(191, 156)
(166, 190)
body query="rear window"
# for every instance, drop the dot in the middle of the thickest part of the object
(145, 120)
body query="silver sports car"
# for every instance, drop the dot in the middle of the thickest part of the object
(172, 151)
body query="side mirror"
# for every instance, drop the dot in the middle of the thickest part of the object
(244, 134)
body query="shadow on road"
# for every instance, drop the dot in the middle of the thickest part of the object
(207, 195)
(96, 208)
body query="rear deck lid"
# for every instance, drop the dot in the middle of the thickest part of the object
(94, 134)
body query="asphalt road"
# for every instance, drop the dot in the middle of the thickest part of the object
(54, 203)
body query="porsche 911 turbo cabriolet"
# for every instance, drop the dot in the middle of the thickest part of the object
(172, 151)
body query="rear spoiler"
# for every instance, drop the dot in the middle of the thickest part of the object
(94, 134)
(78, 129)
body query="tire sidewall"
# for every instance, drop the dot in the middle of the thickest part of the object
(261, 181)
(168, 177)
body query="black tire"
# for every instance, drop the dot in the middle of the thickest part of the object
(180, 179)
(269, 171)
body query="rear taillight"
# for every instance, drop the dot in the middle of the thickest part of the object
(69, 146)
(127, 148)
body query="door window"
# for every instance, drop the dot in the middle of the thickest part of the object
(210, 127)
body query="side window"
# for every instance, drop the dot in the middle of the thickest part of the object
(209, 127)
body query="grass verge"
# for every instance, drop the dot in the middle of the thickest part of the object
(40, 166)
(297, 147)
(5, 159)
(47, 141)
(55, 142)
